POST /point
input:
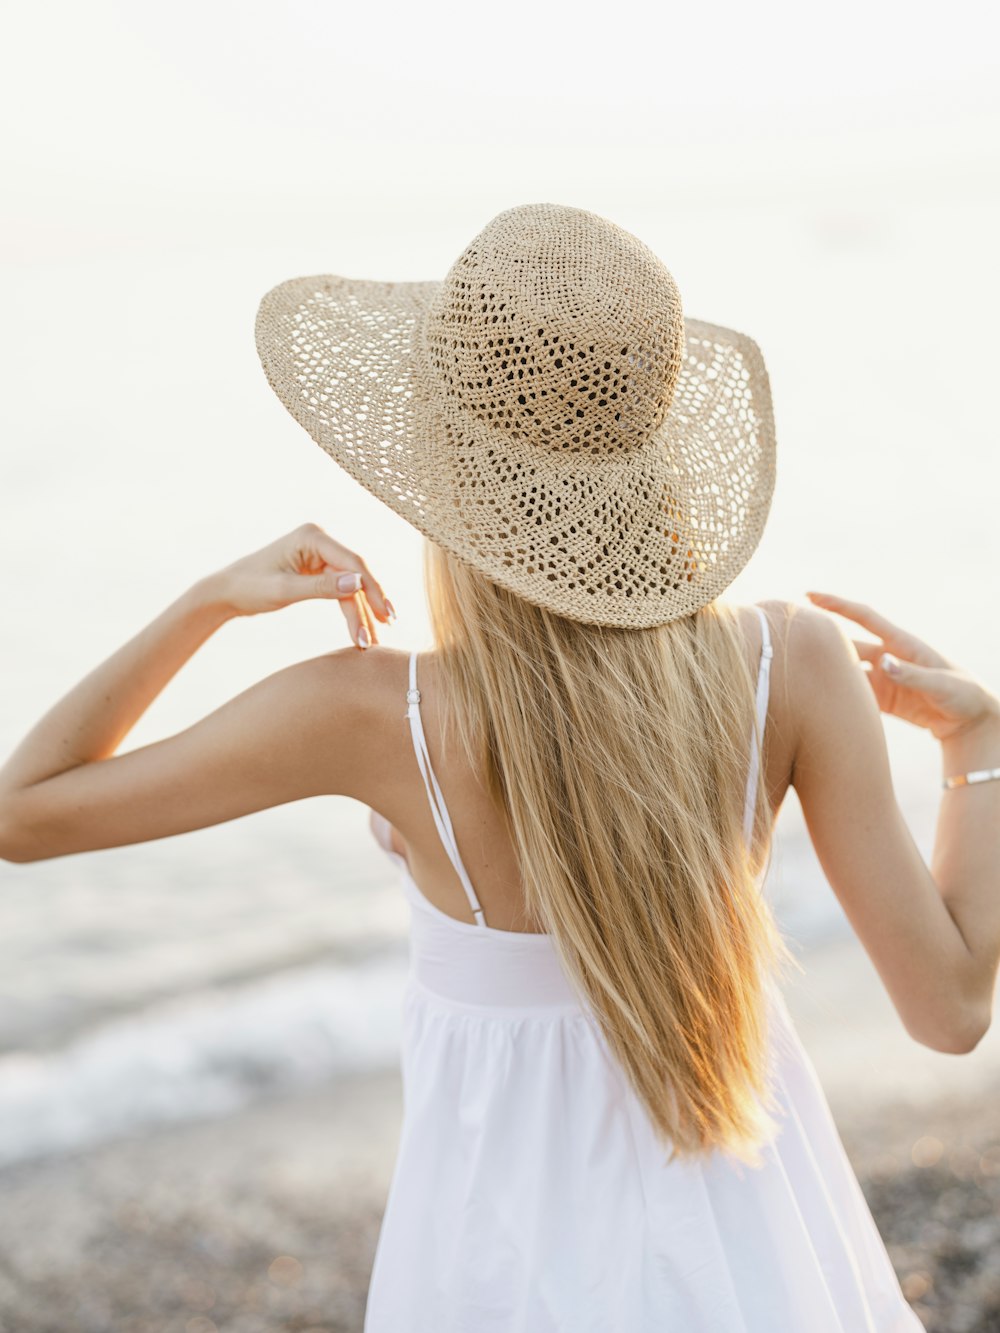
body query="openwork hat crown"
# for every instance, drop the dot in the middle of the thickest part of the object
(546, 413)
(558, 329)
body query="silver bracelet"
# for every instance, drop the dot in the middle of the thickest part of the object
(966, 779)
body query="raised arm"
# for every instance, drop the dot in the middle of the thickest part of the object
(65, 790)
(934, 936)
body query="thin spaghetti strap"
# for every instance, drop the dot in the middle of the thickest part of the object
(757, 736)
(434, 795)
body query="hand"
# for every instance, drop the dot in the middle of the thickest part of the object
(304, 564)
(928, 690)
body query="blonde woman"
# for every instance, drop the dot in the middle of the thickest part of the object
(609, 1121)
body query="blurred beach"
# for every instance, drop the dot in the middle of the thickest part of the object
(267, 1217)
(199, 1103)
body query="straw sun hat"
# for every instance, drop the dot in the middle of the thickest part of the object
(546, 413)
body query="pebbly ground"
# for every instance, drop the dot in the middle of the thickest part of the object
(268, 1220)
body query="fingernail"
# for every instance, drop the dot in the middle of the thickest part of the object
(364, 638)
(889, 663)
(349, 582)
(390, 611)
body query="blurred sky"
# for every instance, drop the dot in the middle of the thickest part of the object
(824, 178)
(409, 103)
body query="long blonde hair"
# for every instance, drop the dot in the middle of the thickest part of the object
(618, 759)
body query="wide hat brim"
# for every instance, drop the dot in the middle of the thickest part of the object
(634, 539)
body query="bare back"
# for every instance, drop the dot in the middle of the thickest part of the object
(823, 735)
(483, 842)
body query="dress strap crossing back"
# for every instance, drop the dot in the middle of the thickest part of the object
(438, 808)
(757, 736)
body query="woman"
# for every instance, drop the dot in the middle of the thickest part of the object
(610, 1123)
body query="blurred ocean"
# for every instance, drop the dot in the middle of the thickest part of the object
(187, 977)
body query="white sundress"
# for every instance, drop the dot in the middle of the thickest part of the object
(530, 1194)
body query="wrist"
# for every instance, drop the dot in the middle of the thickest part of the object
(206, 601)
(976, 746)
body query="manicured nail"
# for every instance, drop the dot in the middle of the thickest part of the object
(349, 582)
(390, 611)
(364, 638)
(890, 664)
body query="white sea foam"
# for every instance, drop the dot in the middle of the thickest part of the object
(200, 1055)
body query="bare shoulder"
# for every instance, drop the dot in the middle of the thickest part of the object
(379, 666)
(831, 706)
(809, 644)
(814, 679)
(356, 700)
(367, 679)
(810, 631)
(822, 675)
(796, 626)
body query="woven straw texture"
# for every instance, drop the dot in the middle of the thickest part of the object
(545, 413)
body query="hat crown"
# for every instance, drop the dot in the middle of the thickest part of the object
(557, 328)
(544, 413)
